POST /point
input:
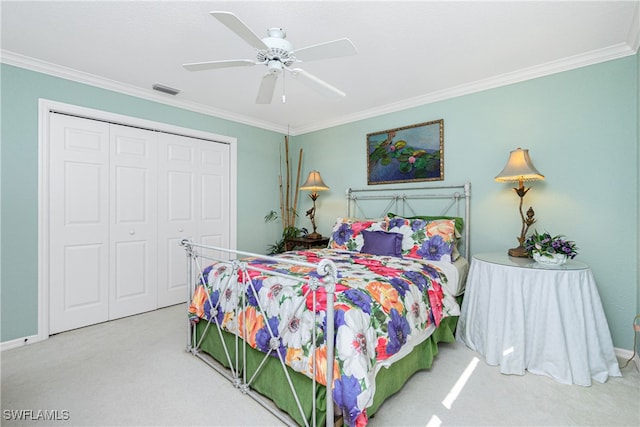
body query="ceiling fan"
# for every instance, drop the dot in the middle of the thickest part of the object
(278, 55)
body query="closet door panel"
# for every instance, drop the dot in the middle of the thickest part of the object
(78, 222)
(195, 205)
(81, 289)
(133, 213)
(177, 214)
(213, 223)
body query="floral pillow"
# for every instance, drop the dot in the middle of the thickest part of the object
(459, 228)
(347, 233)
(433, 240)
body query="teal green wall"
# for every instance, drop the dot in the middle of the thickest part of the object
(581, 129)
(580, 126)
(257, 151)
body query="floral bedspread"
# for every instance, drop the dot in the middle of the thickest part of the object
(384, 306)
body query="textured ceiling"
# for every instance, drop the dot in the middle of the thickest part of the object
(409, 53)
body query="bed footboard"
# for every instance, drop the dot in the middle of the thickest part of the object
(234, 282)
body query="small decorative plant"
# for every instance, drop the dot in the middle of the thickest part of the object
(543, 244)
(289, 232)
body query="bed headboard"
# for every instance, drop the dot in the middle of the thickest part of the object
(441, 200)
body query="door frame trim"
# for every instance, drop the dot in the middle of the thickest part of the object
(45, 108)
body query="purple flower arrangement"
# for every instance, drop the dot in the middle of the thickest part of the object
(546, 245)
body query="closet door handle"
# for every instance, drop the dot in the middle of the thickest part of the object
(132, 232)
(180, 230)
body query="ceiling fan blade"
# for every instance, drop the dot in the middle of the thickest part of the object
(210, 65)
(234, 23)
(332, 49)
(267, 87)
(316, 83)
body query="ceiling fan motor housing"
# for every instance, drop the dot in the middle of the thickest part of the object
(279, 49)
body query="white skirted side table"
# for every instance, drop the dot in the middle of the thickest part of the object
(547, 320)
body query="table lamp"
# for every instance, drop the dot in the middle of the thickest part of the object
(314, 184)
(519, 168)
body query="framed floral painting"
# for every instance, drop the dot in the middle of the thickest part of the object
(407, 154)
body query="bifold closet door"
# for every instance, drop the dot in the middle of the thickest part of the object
(78, 223)
(103, 222)
(193, 203)
(121, 199)
(133, 216)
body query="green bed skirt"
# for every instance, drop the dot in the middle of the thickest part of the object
(272, 383)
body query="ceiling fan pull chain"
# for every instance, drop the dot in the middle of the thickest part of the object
(284, 95)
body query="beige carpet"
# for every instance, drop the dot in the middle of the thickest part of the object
(135, 372)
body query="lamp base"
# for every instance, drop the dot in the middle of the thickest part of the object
(314, 236)
(519, 252)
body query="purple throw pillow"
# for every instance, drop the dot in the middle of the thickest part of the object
(382, 243)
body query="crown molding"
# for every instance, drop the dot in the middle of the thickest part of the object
(590, 58)
(11, 58)
(633, 38)
(570, 63)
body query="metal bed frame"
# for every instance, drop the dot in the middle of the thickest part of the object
(399, 199)
(327, 271)
(449, 199)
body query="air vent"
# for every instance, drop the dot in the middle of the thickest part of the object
(165, 89)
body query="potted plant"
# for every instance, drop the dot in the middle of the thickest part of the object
(547, 249)
(288, 232)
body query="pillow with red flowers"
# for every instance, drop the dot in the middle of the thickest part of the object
(433, 240)
(347, 233)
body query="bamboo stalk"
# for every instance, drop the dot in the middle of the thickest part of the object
(295, 200)
(288, 169)
(281, 205)
(282, 218)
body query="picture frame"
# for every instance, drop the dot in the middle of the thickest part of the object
(412, 153)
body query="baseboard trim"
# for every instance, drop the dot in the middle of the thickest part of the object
(8, 345)
(625, 355)
(621, 353)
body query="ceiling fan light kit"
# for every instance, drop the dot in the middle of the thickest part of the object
(277, 54)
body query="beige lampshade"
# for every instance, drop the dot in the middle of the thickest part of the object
(314, 183)
(519, 168)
